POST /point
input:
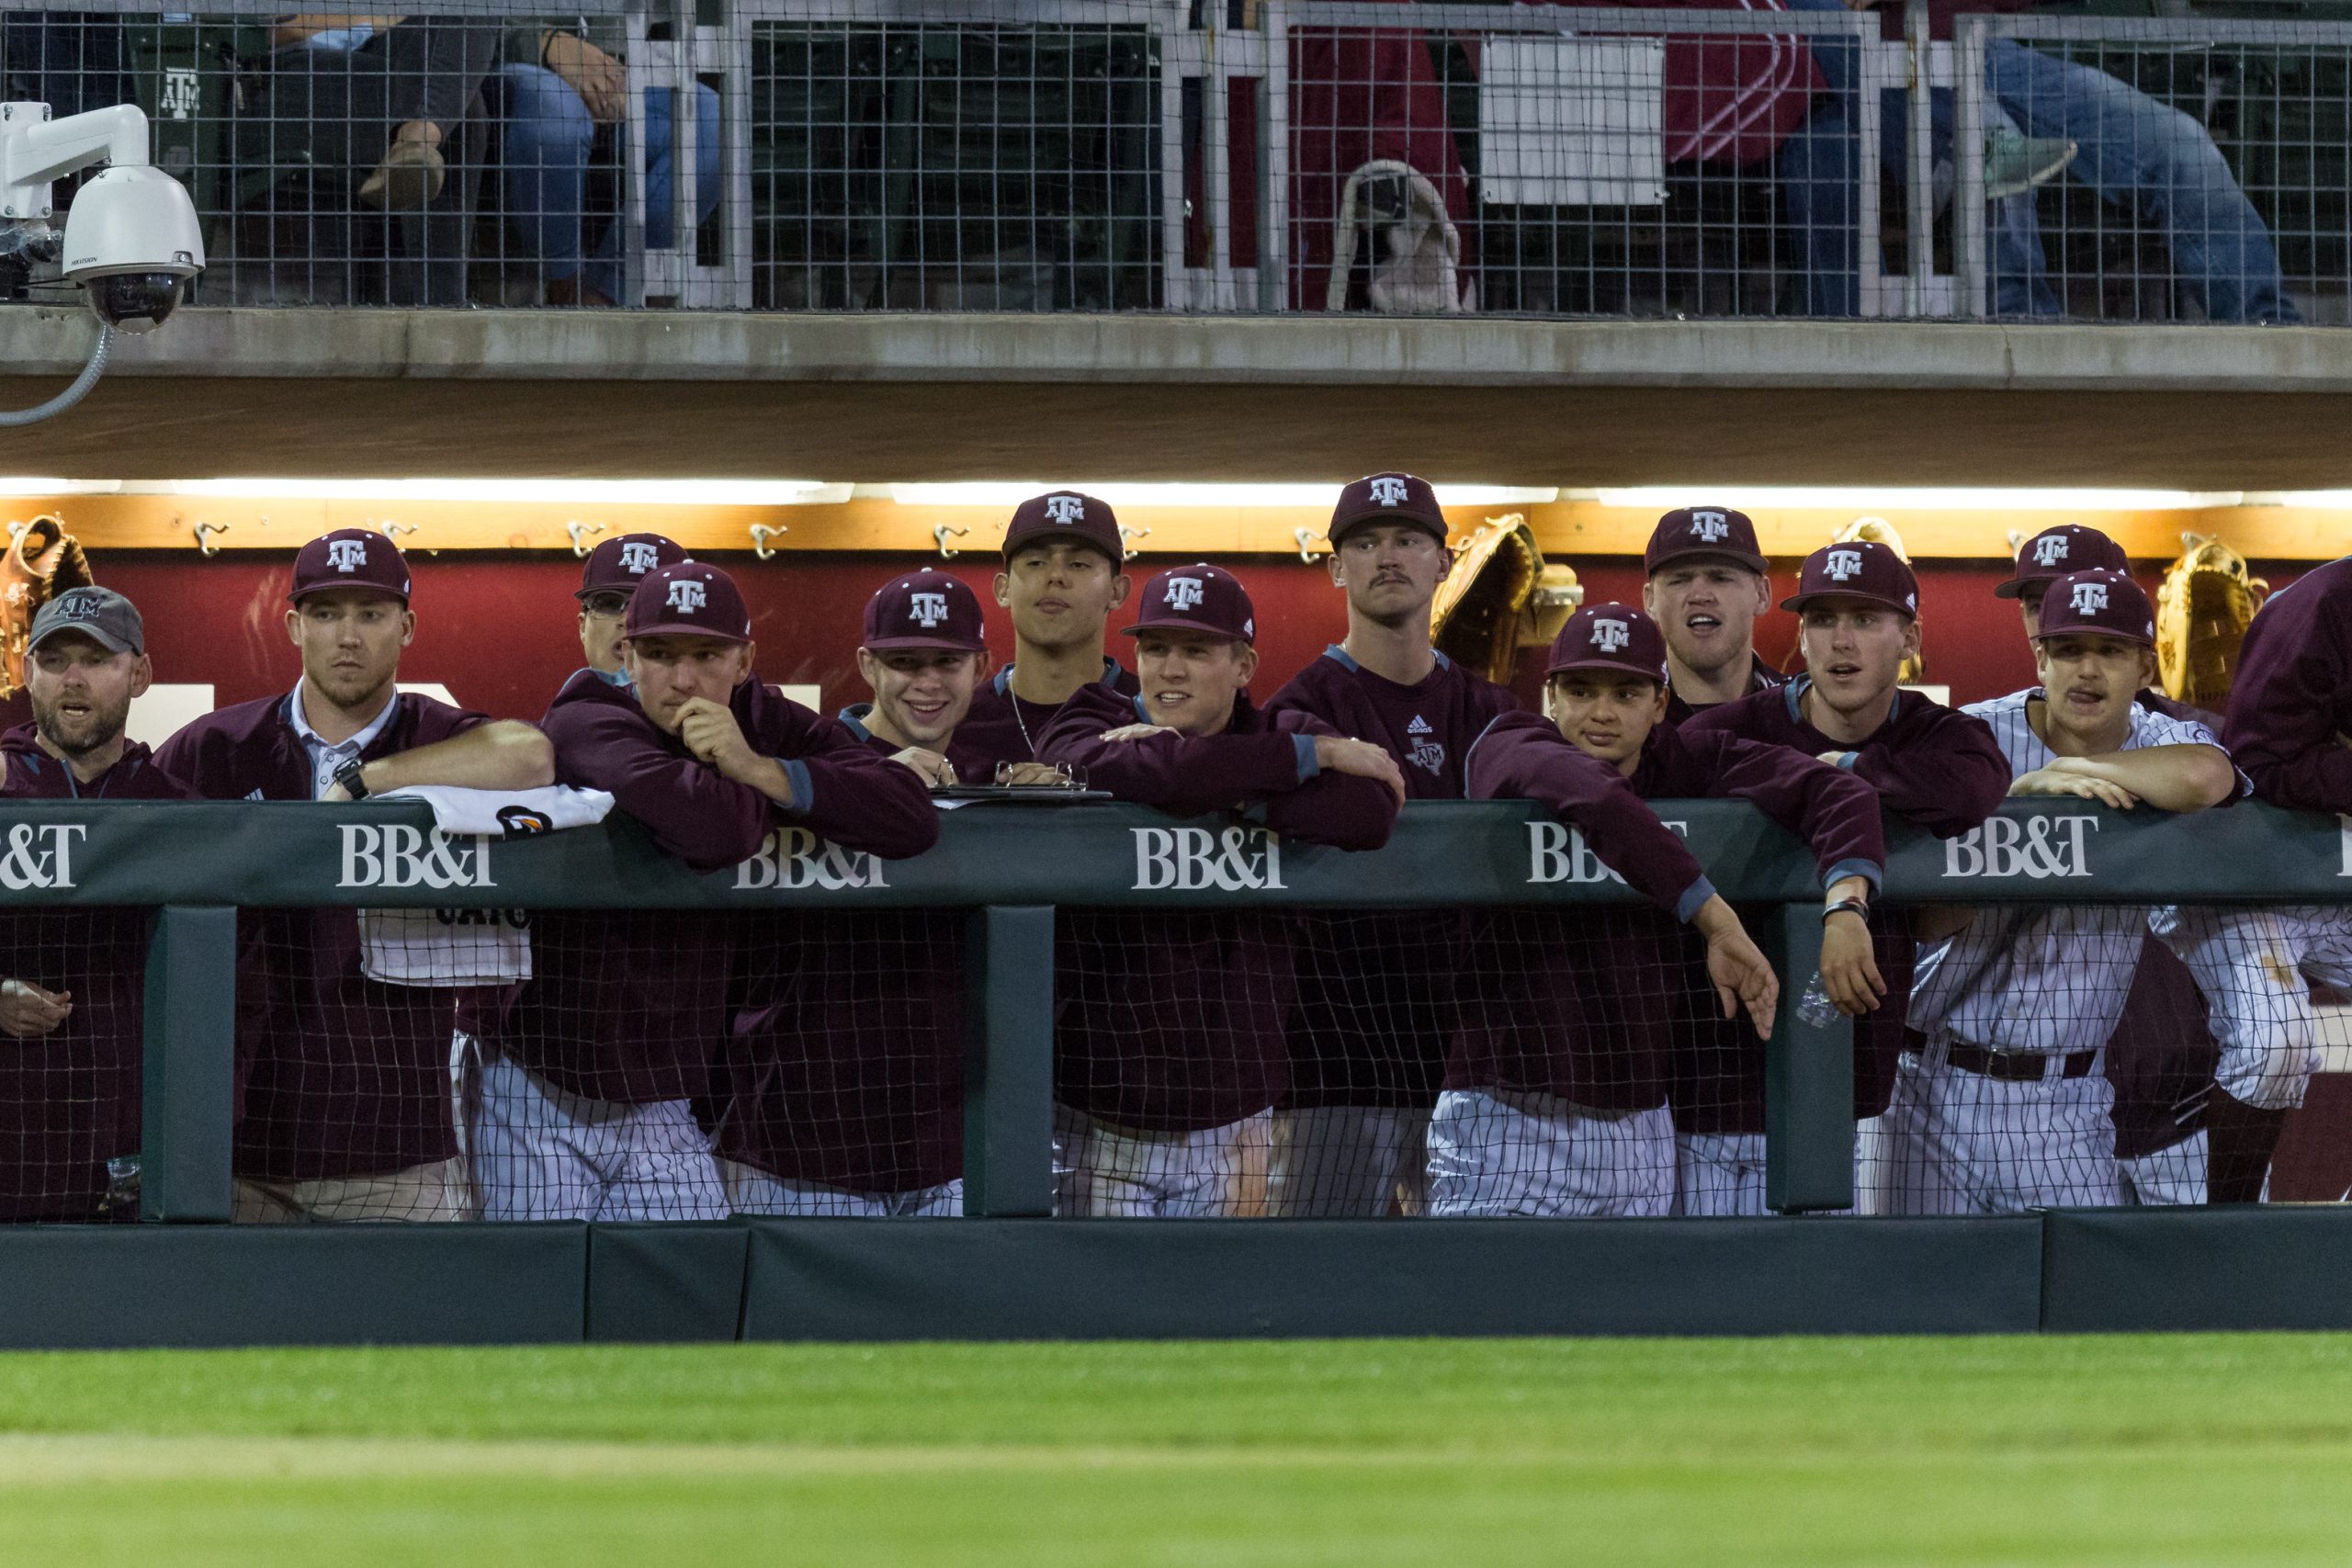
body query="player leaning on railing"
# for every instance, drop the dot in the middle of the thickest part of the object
(1170, 1029)
(1556, 1097)
(585, 1109)
(611, 574)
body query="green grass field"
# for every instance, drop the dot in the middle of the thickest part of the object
(2143, 1451)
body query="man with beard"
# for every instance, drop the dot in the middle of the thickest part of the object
(71, 1006)
(1706, 584)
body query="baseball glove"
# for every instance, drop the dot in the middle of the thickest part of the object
(2202, 609)
(1498, 596)
(1879, 531)
(43, 559)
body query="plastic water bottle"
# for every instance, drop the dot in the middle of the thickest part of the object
(1814, 1009)
(122, 1187)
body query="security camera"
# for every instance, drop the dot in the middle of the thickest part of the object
(132, 237)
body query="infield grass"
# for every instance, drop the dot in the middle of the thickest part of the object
(2112, 1450)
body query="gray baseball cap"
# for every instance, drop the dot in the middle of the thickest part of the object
(103, 616)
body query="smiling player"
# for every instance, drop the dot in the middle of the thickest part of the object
(924, 657)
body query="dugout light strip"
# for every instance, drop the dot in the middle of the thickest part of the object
(1897, 498)
(559, 492)
(1223, 497)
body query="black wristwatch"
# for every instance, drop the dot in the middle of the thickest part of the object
(348, 777)
(1842, 906)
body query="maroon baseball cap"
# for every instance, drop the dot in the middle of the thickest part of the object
(1703, 531)
(1201, 598)
(1388, 498)
(924, 609)
(1860, 568)
(2055, 552)
(1610, 637)
(1070, 513)
(688, 599)
(2103, 602)
(350, 558)
(615, 565)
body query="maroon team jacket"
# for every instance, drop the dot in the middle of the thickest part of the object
(845, 1063)
(69, 1099)
(1001, 728)
(2291, 703)
(1175, 1022)
(630, 1006)
(341, 1075)
(1586, 1004)
(1929, 764)
(1375, 1006)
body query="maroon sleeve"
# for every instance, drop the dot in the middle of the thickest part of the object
(437, 721)
(1522, 756)
(692, 810)
(1182, 774)
(842, 789)
(1947, 773)
(1338, 809)
(2289, 696)
(1834, 812)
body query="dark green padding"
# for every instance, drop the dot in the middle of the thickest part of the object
(657, 1282)
(2152, 1270)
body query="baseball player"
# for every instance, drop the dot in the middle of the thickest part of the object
(70, 1071)
(1170, 1028)
(2161, 1056)
(1998, 1108)
(2291, 727)
(585, 1109)
(605, 582)
(1858, 606)
(924, 657)
(1706, 582)
(1556, 1100)
(1065, 572)
(344, 1080)
(842, 1080)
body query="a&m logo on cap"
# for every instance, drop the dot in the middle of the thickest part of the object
(686, 594)
(2051, 550)
(2090, 597)
(1711, 526)
(78, 607)
(636, 559)
(1845, 564)
(1183, 592)
(926, 610)
(1388, 492)
(346, 555)
(1611, 636)
(1065, 509)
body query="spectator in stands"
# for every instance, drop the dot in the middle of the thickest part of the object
(585, 1107)
(381, 94)
(343, 1079)
(840, 1086)
(1555, 1099)
(612, 573)
(554, 93)
(2133, 150)
(71, 1005)
(1706, 584)
(1170, 1026)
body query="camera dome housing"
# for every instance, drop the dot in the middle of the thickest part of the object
(132, 242)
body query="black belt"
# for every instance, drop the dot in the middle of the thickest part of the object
(2017, 1066)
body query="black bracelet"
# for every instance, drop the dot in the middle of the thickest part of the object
(1843, 905)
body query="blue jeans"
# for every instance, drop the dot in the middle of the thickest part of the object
(2132, 149)
(545, 141)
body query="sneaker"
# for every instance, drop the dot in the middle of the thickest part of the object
(2015, 164)
(409, 178)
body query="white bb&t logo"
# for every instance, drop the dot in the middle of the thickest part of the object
(398, 856)
(1065, 509)
(1711, 526)
(927, 610)
(794, 858)
(1557, 852)
(2049, 551)
(2036, 846)
(26, 863)
(686, 594)
(1184, 593)
(1611, 636)
(347, 555)
(2089, 597)
(636, 559)
(1845, 564)
(1192, 860)
(1388, 492)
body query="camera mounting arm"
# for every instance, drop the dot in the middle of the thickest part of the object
(36, 150)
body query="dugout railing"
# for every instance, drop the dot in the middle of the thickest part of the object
(1011, 866)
